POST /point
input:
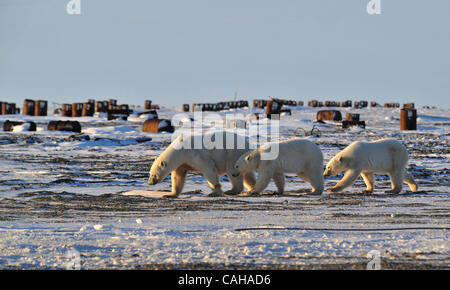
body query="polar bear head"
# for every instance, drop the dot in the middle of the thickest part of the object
(336, 165)
(247, 162)
(168, 161)
(158, 171)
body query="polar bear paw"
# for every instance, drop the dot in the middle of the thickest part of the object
(334, 190)
(216, 194)
(250, 193)
(231, 192)
(172, 195)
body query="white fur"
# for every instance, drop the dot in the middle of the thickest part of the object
(295, 156)
(386, 156)
(212, 163)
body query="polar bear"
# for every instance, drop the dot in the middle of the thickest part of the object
(210, 154)
(295, 156)
(386, 156)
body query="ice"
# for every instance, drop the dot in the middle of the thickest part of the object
(58, 195)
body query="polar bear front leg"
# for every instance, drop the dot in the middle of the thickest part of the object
(261, 183)
(369, 180)
(236, 184)
(250, 180)
(349, 177)
(279, 180)
(178, 178)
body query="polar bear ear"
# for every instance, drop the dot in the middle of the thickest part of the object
(247, 158)
(341, 159)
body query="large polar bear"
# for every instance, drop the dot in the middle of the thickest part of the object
(295, 156)
(211, 154)
(386, 156)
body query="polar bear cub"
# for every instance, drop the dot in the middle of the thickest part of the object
(210, 154)
(295, 156)
(386, 156)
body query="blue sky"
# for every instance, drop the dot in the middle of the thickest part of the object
(185, 51)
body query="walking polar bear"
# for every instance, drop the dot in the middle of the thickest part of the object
(211, 158)
(295, 156)
(385, 156)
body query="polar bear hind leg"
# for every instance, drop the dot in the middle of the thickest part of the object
(396, 181)
(410, 181)
(315, 180)
(213, 181)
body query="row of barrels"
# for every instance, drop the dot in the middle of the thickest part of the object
(408, 118)
(151, 125)
(149, 106)
(357, 104)
(215, 107)
(261, 104)
(35, 107)
(8, 108)
(67, 126)
(91, 107)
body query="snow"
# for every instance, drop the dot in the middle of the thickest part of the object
(58, 195)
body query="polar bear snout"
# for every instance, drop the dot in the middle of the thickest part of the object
(152, 180)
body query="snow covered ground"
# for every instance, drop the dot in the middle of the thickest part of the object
(58, 195)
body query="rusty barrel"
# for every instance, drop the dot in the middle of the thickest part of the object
(408, 119)
(88, 110)
(147, 104)
(66, 110)
(346, 104)
(157, 125)
(77, 109)
(40, 108)
(350, 123)
(329, 115)
(352, 117)
(112, 103)
(8, 108)
(67, 126)
(8, 126)
(28, 107)
(100, 107)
